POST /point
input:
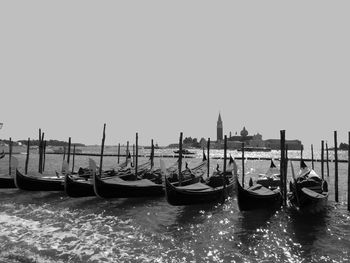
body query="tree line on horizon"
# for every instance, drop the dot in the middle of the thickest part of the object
(36, 143)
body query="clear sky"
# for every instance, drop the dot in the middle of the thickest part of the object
(161, 67)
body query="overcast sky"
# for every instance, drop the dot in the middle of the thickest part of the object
(161, 67)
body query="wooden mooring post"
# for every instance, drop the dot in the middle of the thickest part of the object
(152, 154)
(64, 153)
(349, 172)
(312, 157)
(208, 159)
(39, 149)
(327, 158)
(285, 174)
(102, 148)
(44, 155)
(336, 167)
(180, 159)
(118, 153)
(127, 151)
(282, 165)
(73, 162)
(10, 156)
(243, 164)
(136, 154)
(27, 157)
(224, 172)
(68, 153)
(322, 159)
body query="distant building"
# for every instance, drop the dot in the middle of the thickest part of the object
(219, 129)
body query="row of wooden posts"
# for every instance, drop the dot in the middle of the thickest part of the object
(283, 159)
(284, 165)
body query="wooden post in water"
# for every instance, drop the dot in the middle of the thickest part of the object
(180, 159)
(127, 151)
(349, 172)
(301, 153)
(243, 164)
(39, 148)
(102, 148)
(322, 159)
(44, 155)
(312, 157)
(27, 157)
(285, 175)
(64, 153)
(133, 155)
(118, 152)
(68, 153)
(42, 152)
(336, 166)
(73, 158)
(152, 154)
(225, 153)
(10, 156)
(327, 159)
(136, 153)
(282, 164)
(208, 157)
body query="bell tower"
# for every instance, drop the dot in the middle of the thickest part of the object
(219, 129)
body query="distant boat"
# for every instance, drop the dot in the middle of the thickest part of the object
(308, 192)
(184, 151)
(255, 149)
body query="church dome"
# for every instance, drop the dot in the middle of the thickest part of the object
(244, 132)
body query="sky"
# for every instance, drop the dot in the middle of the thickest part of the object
(162, 67)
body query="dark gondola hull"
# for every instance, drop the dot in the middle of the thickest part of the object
(7, 182)
(178, 197)
(78, 188)
(105, 189)
(30, 183)
(306, 203)
(252, 201)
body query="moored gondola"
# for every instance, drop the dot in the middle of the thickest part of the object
(258, 197)
(215, 189)
(308, 192)
(263, 194)
(82, 185)
(6, 179)
(2, 154)
(38, 182)
(116, 187)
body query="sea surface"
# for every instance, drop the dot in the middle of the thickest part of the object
(51, 227)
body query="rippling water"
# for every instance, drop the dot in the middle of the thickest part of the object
(51, 227)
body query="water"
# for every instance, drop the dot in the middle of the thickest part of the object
(51, 227)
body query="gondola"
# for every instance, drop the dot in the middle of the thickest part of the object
(7, 179)
(263, 194)
(272, 178)
(38, 182)
(34, 181)
(2, 154)
(199, 192)
(308, 192)
(80, 186)
(116, 187)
